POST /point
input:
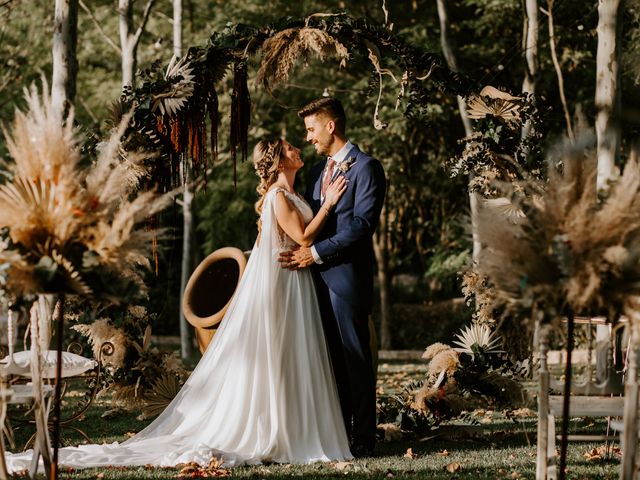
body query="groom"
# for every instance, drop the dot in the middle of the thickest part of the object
(343, 263)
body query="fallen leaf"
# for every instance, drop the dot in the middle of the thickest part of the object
(453, 467)
(443, 453)
(603, 451)
(410, 454)
(342, 465)
(522, 413)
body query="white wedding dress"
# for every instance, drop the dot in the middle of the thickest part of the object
(263, 391)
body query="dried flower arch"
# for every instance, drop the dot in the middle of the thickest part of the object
(173, 105)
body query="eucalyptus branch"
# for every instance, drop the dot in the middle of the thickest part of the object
(95, 21)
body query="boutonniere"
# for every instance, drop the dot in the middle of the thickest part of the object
(347, 164)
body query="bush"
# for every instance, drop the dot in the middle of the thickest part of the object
(413, 326)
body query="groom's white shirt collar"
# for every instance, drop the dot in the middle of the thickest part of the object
(341, 154)
(339, 157)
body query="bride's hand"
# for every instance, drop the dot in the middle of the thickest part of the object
(335, 191)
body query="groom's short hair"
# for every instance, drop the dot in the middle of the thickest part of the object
(329, 106)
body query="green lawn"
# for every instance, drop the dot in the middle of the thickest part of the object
(493, 447)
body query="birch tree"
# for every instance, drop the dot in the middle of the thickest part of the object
(530, 47)
(607, 88)
(130, 39)
(462, 108)
(65, 63)
(186, 349)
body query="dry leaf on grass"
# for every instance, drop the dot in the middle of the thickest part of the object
(522, 413)
(599, 453)
(342, 465)
(453, 467)
(195, 470)
(443, 453)
(410, 454)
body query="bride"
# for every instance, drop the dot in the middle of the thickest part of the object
(264, 390)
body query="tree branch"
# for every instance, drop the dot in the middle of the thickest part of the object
(143, 22)
(556, 64)
(111, 43)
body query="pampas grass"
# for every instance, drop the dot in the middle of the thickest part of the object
(281, 52)
(76, 223)
(573, 251)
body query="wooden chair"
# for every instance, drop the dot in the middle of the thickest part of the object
(590, 397)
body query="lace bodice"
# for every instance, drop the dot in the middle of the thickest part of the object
(302, 206)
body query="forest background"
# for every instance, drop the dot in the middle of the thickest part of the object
(425, 231)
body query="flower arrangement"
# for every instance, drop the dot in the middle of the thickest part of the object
(140, 376)
(496, 151)
(573, 251)
(474, 374)
(66, 227)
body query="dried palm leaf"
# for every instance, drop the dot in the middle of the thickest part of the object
(477, 337)
(180, 84)
(160, 395)
(492, 101)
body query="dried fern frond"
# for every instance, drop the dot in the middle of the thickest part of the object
(282, 51)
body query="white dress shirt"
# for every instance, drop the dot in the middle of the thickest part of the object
(339, 157)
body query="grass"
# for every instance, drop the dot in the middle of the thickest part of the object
(493, 447)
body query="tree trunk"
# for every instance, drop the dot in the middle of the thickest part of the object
(65, 63)
(462, 108)
(177, 28)
(530, 46)
(129, 39)
(607, 95)
(556, 65)
(186, 347)
(381, 249)
(129, 51)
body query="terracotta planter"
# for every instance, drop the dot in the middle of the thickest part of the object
(209, 291)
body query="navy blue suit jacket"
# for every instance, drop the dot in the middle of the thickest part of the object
(345, 243)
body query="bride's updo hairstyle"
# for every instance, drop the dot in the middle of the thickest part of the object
(266, 161)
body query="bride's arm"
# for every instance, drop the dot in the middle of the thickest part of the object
(291, 222)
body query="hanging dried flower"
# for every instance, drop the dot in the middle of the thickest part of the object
(282, 51)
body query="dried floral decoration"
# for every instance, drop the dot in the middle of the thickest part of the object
(64, 227)
(573, 251)
(282, 51)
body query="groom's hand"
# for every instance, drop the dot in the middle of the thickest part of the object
(296, 258)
